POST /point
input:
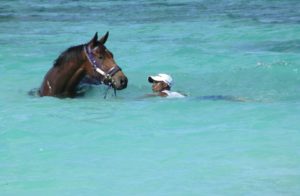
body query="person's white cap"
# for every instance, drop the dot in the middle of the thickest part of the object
(161, 78)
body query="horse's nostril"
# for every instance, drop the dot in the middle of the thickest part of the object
(124, 81)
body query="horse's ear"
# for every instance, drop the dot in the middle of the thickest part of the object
(104, 38)
(93, 41)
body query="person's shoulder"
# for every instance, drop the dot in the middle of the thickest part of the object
(173, 94)
(160, 94)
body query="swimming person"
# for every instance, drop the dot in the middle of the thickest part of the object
(161, 86)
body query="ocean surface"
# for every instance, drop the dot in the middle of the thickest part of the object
(129, 145)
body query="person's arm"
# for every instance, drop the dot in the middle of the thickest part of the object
(163, 94)
(148, 96)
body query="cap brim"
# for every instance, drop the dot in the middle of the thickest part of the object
(151, 79)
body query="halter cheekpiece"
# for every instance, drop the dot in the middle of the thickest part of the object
(107, 76)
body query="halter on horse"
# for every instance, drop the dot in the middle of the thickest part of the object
(92, 60)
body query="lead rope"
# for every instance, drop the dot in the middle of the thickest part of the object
(106, 91)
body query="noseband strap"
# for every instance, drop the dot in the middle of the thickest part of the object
(107, 75)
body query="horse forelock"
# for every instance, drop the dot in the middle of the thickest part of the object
(71, 54)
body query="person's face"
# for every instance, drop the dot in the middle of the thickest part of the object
(158, 86)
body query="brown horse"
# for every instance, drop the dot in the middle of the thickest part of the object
(92, 60)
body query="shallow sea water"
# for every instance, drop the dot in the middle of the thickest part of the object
(126, 145)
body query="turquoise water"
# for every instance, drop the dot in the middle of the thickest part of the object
(125, 145)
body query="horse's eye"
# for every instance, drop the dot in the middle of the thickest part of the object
(101, 57)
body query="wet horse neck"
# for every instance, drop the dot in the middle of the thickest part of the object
(74, 81)
(63, 80)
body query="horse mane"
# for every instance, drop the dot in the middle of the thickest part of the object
(73, 53)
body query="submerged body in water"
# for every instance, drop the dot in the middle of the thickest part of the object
(222, 98)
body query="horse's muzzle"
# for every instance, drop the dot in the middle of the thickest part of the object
(120, 83)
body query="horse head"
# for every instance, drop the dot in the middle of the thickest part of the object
(91, 60)
(101, 65)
